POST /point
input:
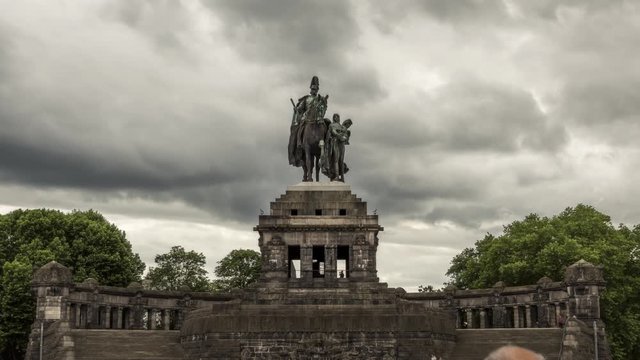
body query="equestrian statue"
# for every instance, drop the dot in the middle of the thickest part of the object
(315, 141)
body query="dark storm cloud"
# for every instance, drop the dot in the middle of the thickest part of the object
(405, 194)
(305, 38)
(599, 68)
(469, 115)
(310, 33)
(70, 166)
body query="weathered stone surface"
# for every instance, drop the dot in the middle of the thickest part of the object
(319, 297)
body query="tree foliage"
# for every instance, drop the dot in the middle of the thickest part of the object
(82, 240)
(237, 270)
(538, 246)
(16, 309)
(179, 268)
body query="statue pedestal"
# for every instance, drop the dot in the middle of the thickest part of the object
(320, 186)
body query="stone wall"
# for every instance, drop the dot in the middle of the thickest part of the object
(398, 331)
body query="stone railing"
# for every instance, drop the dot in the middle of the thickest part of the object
(88, 305)
(546, 304)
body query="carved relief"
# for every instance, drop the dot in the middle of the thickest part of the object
(276, 241)
(320, 346)
(360, 240)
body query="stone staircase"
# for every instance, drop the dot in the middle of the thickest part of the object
(127, 345)
(474, 344)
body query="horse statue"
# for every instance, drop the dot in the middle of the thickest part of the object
(308, 131)
(313, 136)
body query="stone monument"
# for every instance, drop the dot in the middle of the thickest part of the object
(319, 295)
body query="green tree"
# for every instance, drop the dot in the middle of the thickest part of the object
(179, 268)
(82, 240)
(237, 270)
(16, 309)
(537, 246)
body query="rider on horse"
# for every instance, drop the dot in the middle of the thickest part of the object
(310, 108)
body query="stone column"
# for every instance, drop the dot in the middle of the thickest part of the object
(179, 319)
(330, 262)
(516, 316)
(152, 319)
(543, 315)
(78, 323)
(499, 315)
(527, 312)
(119, 324)
(306, 263)
(67, 314)
(107, 317)
(469, 318)
(133, 319)
(166, 319)
(483, 318)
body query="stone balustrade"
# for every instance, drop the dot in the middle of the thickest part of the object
(88, 305)
(545, 304)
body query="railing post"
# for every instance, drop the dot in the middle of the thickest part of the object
(595, 339)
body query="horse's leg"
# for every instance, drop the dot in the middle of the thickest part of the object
(308, 159)
(317, 168)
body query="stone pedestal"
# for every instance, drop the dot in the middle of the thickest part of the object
(319, 296)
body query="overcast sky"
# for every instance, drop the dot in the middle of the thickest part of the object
(172, 117)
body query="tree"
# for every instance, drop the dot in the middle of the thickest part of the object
(16, 309)
(540, 246)
(179, 268)
(82, 240)
(237, 270)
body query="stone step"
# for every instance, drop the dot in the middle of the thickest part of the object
(478, 343)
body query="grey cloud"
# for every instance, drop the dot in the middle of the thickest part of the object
(161, 20)
(400, 191)
(596, 62)
(551, 9)
(603, 102)
(478, 116)
(305, 39)
(469, 115)
(387, 15)
(464, 9)
(467, 215)
(311, 33)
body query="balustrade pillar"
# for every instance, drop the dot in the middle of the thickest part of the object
(516, 316)
(469, 318)
(78, 320)
(306, 263)
(483, 318)
(166, 320)
(107, 317)
(527, 314)
(152, 319)
(119, 320)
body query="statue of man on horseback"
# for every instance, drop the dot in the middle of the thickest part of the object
(309, 130)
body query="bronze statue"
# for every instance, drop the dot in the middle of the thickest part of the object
(308, 129)
(314, 140)
(333, 165)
